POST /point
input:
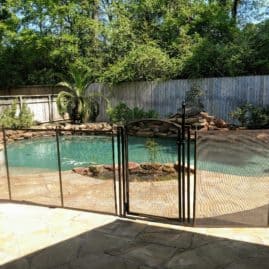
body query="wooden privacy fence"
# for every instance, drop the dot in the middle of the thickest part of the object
(43, 106)
(220, 95)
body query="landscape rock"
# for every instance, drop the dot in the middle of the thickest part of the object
(144, 133)
(150, 166)
(206, 128)
(168, 168)
(28, 135)
(143, 169)
(263, 137)
(81, 170)
(161, 134)
(133, 166)
(204, 114)
(96, 169)
(190, 120)
(200, 121)
(109, 167)
(220, 123)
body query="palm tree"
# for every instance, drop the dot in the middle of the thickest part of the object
(80, 106)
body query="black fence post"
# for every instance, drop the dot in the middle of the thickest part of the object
(194, 180)
(123, 164)
(59, 166)
(119, 168)
(127, 206)
(183, 158)
(179, 175)
(114, 169)
(188, 173)
(6, 163)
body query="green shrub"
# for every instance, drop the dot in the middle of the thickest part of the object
(252, 116)
(153, 149)
(10, 119)
(143, 62)
(122, 113)
(25, 119)
(119, 113)
(194, 97)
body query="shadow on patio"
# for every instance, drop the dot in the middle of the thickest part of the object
(126, 244)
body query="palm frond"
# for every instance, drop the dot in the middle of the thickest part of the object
(76, 102)
(90, 108)
(65, 101)
(81, 81)
(65, 85)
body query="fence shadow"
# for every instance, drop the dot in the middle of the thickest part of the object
(126, 244)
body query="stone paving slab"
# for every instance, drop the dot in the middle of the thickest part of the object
(103, 261)
(152, 255)
(34, 237)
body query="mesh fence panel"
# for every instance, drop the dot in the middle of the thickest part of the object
(153, 179)
(233, 178)
(33, 169)
(87, 174)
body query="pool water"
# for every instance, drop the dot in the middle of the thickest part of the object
(76, 151)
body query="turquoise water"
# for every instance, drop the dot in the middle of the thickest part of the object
(78, 151)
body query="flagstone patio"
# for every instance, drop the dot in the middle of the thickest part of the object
(35, 237)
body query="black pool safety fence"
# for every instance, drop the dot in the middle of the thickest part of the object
(233, 178)
(215, 178)
(159, 188)
(41, 170)
(115, 171)
(89, 170)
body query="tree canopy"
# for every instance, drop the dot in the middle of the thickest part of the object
(130, 40)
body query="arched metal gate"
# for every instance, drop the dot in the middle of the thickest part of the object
(150, 171)
(161, 183)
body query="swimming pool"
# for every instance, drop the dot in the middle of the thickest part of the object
(84, 150)
(76, 151)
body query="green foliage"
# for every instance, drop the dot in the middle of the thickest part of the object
(80, 106)
(153, 149)
(10, 119)
(119, 113)
(122, 113)
(193, 97)
(8, 116)
(25, 118)
(252, 116)
(131, 40)
(144, 62)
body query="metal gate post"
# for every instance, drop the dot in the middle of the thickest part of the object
(59, 166)
(126, 167)
(183, 159)
(179, 174)
(119, 169)
(194, 180)
(188, 173)
(114, 170)
(123, 168)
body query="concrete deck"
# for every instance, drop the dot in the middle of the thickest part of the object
(34, 237)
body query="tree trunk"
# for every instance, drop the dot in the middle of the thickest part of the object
(95, 10)
(235, 8)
